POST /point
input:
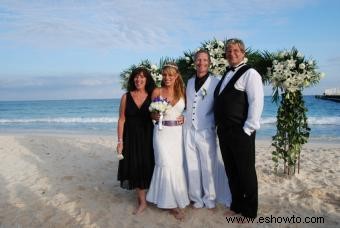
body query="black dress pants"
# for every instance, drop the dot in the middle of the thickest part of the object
(238, 153)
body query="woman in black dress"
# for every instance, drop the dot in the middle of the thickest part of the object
(135, 129)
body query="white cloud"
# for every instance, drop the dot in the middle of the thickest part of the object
(91, 82)
(129, 29)
(59, 81)
(141, 24)
(65, 87)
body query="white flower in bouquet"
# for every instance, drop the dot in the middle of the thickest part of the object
(158, 77)
(306, 83)
(216, 51)
(299, 55)
(290, 63)
(155, 74)
(322, 75)
(209, 46)
(159, 105)
(220, 43)
(126, 76)
(286, 84)
(152, 68)
(282, 54)
(213, 62)
(302, 66)
(290, 71)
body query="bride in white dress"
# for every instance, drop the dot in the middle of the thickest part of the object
(168, 188)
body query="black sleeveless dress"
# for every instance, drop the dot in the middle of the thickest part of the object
(135, 170)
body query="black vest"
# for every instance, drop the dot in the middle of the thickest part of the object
(231, 106)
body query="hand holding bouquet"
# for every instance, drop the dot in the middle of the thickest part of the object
(159, 105)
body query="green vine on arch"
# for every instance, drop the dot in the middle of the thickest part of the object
(289, 74)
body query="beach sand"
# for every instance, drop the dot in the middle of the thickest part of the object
(70, 181)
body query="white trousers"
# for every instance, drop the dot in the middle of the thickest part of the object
(200, 156)
(223, 194)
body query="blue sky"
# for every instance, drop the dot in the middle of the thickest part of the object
(76, 49)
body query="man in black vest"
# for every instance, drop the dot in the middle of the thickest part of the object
(238, 107)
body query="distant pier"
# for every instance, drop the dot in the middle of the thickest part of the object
(330, 94)
(335, 98)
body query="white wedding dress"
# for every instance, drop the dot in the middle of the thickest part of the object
(168, 188)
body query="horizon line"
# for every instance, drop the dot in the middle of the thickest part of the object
(111, 98)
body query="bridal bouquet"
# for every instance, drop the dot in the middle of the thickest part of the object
(159, 105)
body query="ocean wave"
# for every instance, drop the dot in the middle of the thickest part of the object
(93, 120)
(268, 120)
(325, 120)
(62, 120)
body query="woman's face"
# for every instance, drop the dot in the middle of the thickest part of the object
(169, 77)
(140, 81)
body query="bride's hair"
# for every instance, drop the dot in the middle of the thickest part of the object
(172, 68)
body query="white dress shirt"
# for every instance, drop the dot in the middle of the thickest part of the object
(251, 83)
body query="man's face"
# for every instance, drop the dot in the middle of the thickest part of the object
(234, 54)
(202, 64)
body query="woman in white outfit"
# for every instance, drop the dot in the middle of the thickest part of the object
(168, 188)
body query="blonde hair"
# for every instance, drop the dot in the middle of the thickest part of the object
(234, 41)
(179, 90)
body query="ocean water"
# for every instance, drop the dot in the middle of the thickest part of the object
(101, 116)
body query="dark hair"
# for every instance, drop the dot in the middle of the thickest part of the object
(149, 85)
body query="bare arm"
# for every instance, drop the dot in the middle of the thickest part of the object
(121, 121)
(155, 93)
(181, 118)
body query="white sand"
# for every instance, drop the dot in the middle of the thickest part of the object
(70, 181)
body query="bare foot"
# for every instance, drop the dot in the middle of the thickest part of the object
(229, 213)
(213, 209)
(140, 208)
(192, 206)
(177, 213)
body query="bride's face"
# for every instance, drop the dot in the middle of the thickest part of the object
(169, 77)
